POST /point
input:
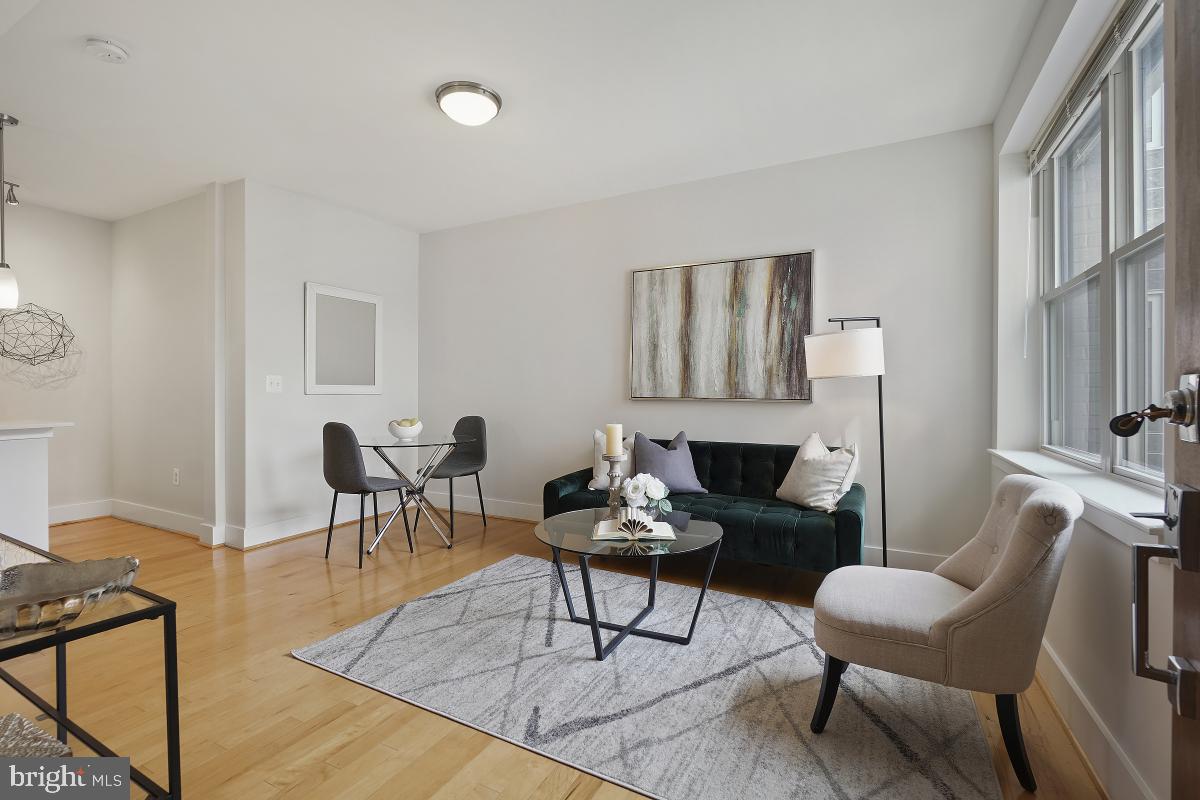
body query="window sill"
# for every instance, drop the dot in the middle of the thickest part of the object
(1107, 499)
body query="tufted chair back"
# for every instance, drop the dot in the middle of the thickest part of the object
(1012, 568)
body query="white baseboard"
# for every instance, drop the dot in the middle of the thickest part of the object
(904, 559)
(160, 518)
(70, 512)
(469, 502)
(1109, 760)
(242, 538)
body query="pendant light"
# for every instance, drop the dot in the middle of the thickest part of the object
(9, 295)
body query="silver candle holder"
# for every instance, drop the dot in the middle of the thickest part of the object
(614, 485)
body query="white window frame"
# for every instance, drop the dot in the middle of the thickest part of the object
(1120, 205)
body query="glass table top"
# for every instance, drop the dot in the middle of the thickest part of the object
(423, 440)
(572, 532)
(13, 552)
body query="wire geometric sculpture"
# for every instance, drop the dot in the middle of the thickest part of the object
(34, 335)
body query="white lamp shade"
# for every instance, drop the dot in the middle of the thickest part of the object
(9, 296)
(854, 353)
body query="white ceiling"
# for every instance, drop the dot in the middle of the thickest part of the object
(335, 99)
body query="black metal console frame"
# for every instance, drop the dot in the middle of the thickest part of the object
(57, 711)
(630, 628)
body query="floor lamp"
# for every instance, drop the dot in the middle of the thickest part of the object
(854, 353)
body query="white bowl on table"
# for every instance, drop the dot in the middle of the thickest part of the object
(405, 433)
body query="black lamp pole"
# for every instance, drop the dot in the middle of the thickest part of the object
(882, 468)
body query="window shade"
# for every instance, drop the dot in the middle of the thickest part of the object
(1105, 53)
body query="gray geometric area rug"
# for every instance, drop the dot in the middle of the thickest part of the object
(724, 717)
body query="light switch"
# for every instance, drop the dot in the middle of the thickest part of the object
(274, 384)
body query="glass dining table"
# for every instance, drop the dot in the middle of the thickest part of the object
(440, 447)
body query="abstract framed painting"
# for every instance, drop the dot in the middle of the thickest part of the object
(724, 330)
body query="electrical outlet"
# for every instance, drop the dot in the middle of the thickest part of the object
(274, 384)
(175, 477)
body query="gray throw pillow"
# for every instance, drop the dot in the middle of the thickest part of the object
(671, 464)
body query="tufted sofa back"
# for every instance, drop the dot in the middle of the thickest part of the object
(737, 468)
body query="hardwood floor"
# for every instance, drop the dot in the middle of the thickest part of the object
(257, 723)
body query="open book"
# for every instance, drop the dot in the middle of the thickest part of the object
(632, 528)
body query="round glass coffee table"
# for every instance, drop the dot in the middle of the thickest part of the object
(572, 532)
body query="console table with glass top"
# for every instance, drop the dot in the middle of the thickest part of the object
(126, 608)
(572, 532)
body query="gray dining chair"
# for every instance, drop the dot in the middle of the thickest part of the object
(467, 459)
(346, 473)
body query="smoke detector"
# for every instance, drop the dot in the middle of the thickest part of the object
(107, 50)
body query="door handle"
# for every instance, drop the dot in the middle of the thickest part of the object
(1142, 553)
(1166, 519)
(1182, 675)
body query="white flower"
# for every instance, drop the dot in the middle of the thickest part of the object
(655, 489)
(634, 490)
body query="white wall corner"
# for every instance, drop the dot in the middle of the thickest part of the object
(216, 365)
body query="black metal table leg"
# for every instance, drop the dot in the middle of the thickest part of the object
(653, 579)
(630, 628)
(712, 562)
(585, 575)
(60, 686)
(171, 679)
(562, 579)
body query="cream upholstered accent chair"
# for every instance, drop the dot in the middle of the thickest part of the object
(976, 622)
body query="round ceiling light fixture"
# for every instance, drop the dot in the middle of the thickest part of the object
(106, 50)
(468, 102)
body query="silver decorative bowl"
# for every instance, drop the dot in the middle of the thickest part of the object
(51, 594)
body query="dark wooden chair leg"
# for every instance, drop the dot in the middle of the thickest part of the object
(830, 681)
(1014, 742)
(362, 525)
(404, 513)
(451, 508)
(479, 488)
(332, 512)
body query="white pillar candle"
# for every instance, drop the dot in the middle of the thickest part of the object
(613, 443)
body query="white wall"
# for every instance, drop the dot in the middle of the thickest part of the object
(290, 239)
(63, 262)
(161, 334)
(528, 323)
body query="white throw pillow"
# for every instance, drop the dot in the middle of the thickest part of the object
(600, 466)
(819, 478)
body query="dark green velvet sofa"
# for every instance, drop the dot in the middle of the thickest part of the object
(741, 480)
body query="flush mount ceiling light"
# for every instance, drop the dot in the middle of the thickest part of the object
(467, 102)
(107, 50)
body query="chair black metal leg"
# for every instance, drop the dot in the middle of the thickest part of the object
(332, 512)
(451, 508)
(1014, 742)
(362, 525)
(404, 513)
(830, 681)
(482, 510)
(417, 519)
(375, 502)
